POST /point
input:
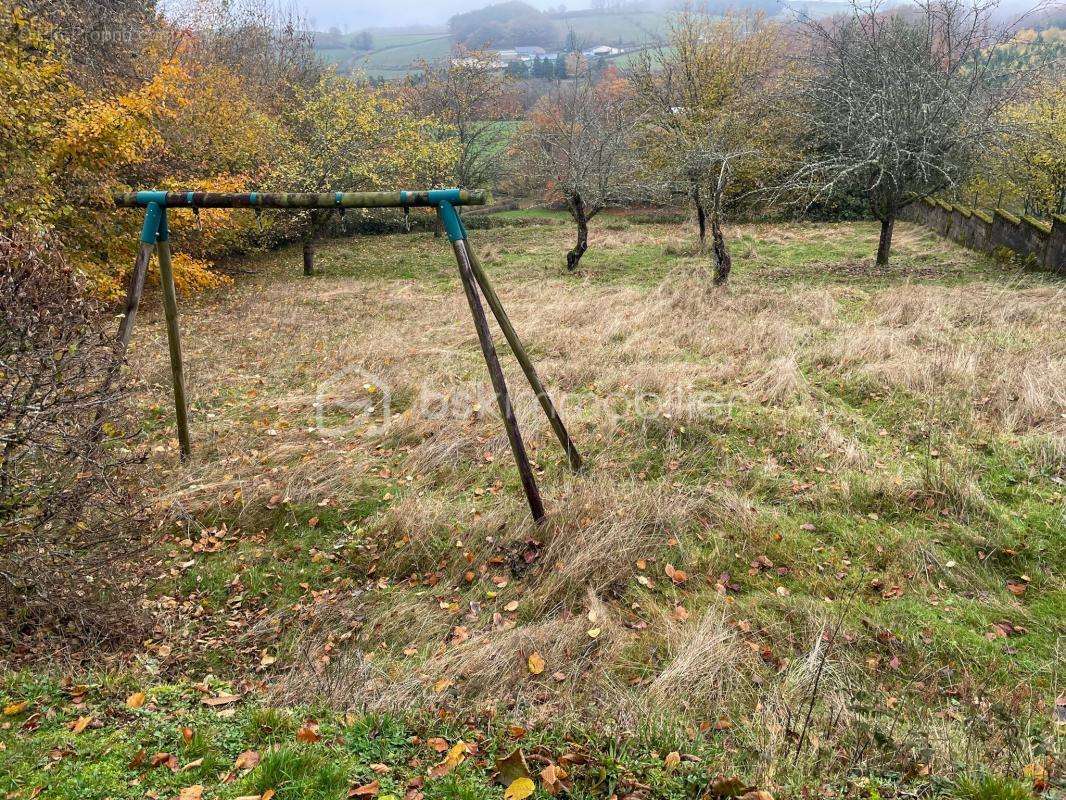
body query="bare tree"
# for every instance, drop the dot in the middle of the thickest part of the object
(580, 144)
(471, 97)
(900, 104)
(702, 94)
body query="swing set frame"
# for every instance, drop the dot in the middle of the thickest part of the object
(155, 238)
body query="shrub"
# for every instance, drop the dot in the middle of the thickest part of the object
(63, 514)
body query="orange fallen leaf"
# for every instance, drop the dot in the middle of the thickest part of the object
(80, 724)
(678, 576)
(16, 708)
(191, 792)
(536, 663)
(456, 755)
(672, 759)
(308, 733)
(136, 700)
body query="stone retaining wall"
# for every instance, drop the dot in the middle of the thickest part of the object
(987, 232)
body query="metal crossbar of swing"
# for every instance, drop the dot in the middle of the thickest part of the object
(155, 237)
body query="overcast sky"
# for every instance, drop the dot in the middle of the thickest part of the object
(359, 14)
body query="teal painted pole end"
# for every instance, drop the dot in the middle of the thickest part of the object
(438, 196)
(144, 198)
(153, 217)
(453, 226)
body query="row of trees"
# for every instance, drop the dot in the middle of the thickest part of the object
(881, 107)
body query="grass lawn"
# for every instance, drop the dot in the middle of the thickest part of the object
(817, 547)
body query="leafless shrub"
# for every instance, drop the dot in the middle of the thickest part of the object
(63, 512)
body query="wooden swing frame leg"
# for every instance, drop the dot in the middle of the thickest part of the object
(572, 454)
(499, 383)
(170, 311)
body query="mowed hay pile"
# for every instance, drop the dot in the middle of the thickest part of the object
(753, 514)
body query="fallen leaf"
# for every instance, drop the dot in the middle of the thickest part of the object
(593, 632)
(308, 733)
(249, 759)
(672, 759)
(727, 787)
(221, 700)
(536, 663)
(456, 755)
(136, 700)
(552, 777)
(161, 759)
(512, 767)
(757, 794)
(191, 792)
(520, 789)
(16, 708)
(437, 743)
(366, 790)
(678, 576)
(269, 793)
(80, 724)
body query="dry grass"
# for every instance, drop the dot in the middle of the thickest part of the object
(766, 407)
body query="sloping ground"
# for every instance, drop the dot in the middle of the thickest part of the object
(818, 544)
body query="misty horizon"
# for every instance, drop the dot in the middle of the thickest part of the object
(359, 15)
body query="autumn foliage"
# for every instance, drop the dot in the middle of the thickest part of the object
(237, 106)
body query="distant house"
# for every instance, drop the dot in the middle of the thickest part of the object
(604, 50)
(531, 51)
(507, 55)
(470, 61)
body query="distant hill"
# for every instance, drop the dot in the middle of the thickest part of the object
(391, 54)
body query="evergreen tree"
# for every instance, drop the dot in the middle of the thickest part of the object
(560, 67)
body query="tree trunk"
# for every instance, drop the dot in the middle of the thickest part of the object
(701, 213)
(580, 215)
(309, 256)
(884, 245)
(723, 262)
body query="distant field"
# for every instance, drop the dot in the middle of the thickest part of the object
(393, 55)
(615, 28)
